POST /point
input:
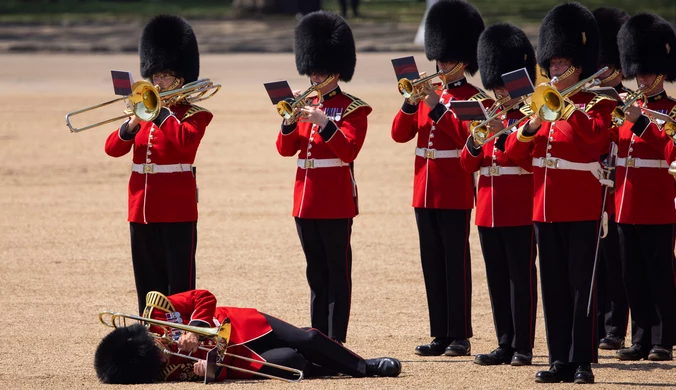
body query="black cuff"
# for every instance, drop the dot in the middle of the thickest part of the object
(200, 323)
(288, 129)
(409, 108)
(641, 124)
(527, 133)
(163, 115)
(470, 147)
(328, 131)
(500, 142)
(126, 134)
(437, 112)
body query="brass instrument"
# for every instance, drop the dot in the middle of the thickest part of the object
(548, 103)
(146, 100)
(672, 169)
(219, 336)
(618, 114)
(287, 108)
(479, 130)
(413, 90)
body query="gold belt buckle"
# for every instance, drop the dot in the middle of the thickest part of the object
(429, 153)
(631, 162)
(494, 171)
(552, 163)
(148, 168)
(309, 163)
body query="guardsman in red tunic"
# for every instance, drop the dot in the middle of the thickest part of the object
(443, 193)
(130, 355)
(327, 141)
(645, 191)
(567, 203)
(504, 213)
(613, 308)
(162, 187)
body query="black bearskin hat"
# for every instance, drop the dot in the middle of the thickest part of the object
(503, 48)
(169, 44)
(128, 355)
(452, 30)
(570, 31)
(609, 21)
(324, 44)
(647, 46)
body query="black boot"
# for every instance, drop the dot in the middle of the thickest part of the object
(611, 342)
(459, 348)
(635, 352)
(435, 348)
(659, 353)
(522, 357)
(384, 366)
(501, 355)
(583, 374)
(556, 373)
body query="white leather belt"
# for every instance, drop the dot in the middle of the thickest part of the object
(434, 153)
(165, 168)
(558, 163)
(499, 171)
(311, 163)
(635, 162)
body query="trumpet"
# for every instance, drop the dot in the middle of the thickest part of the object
(479, 130)
(287, 108)
(413, 90)
(145, 101)
(618, 114)
(218, 336)
(548, 103)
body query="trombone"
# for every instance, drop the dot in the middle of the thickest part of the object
(219, 336)
(618, 114)
(548, 103)
(145, 101)
(287, 108)
(479, 130)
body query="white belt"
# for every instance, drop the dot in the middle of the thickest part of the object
(310, 163)
(434, 153)
(558, 163)
(166, 168)
(499, 171)
(635, 162)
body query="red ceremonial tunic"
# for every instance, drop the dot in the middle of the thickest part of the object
(565, 195)
(645, 195)
(439, 183)
(198, 308)
(327, 192)
(502, 200)
(163, 197)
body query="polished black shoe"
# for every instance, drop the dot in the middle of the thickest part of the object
(498, 356)
(459, 348)
(435, 348)
(584, 374)
(611, 342)
(635, 352)
(556, 373)
(384, 366)
(659, 353)
(522, 358)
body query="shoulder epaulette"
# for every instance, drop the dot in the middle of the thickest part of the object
(597, 98)
(356, 103)
(526, 110)
(192, 111)
(672, 113)
(480, 96)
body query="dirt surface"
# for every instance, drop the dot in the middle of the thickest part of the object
(64, 239)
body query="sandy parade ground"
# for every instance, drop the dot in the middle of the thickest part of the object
(64, 238)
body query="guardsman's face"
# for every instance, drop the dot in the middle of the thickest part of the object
(318, 77)
(501, 92)
(557, 66)
(645, 79)
(166, 80)
(446, 66)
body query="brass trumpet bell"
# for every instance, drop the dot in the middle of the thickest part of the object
(287, 108)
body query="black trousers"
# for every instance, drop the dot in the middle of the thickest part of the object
(509, 254)
(446, 265)
(567, 251)
(613, 308)
(308, 350)
(647, 253)
(326, 244)
(353, 3)
(163, 255)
